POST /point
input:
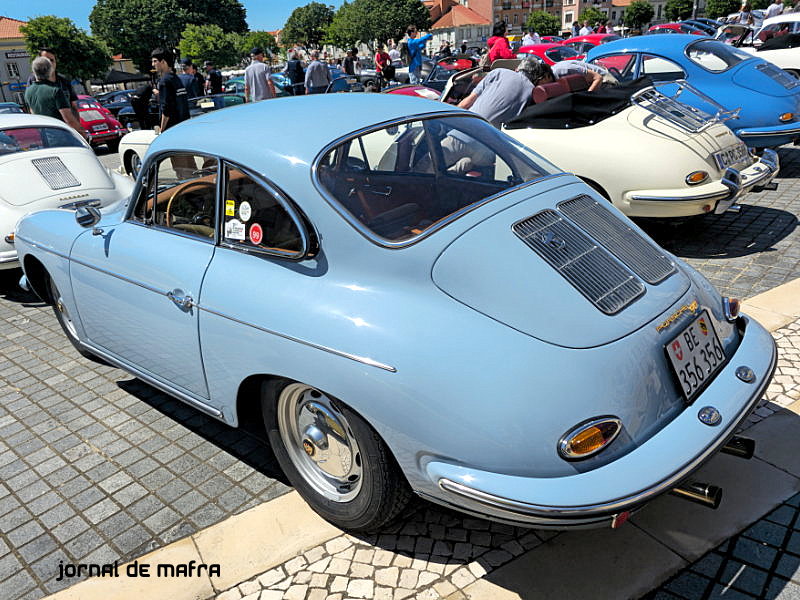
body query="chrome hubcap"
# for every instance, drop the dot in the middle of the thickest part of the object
(319, 442)
(136, 164)
(67, 320)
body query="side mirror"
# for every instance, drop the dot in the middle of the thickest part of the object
(87, 216)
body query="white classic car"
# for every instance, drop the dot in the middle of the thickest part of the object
(779, 42)
(132, 148)
(647, 153)
(45, 164)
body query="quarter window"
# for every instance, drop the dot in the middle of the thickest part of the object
(660, 69)
(255, 218)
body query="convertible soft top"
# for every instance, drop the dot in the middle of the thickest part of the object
(579, 109)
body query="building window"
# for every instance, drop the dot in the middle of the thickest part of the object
(568, 17)
(13, 70)
(516, 19)
(613, 15)
(659, 12)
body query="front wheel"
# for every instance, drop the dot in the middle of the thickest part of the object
(332, 457)
(65, 320)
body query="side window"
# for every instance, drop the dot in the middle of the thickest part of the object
(185, 194)
(619, 65)
(255, 218)
(660, 69)
(143, 211)
(395, 149)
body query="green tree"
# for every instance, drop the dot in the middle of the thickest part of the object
(638, 13)
(343, 32)
(677, 10)
(210, 42)
(543, 23)
(368, 21)
(307, 24)
(592, 15)
(721, 8)
(760, 4)
(135, 27)
(258, 39)
(79, 55)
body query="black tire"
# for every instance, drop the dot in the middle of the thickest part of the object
(64, 319)
(369, 500)
(113, 145)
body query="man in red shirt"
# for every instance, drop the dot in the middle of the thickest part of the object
(382, 61)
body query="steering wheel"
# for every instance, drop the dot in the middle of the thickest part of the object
(197, 193)
(355, 163)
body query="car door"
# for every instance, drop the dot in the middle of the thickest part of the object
(137, 283)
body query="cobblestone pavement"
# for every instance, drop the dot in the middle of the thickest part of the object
(96, 466)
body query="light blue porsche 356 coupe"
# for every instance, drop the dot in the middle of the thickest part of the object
(414, 303)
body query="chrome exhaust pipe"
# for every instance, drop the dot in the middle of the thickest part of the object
(740, 446)
(703, 493)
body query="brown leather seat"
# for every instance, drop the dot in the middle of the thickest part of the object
(559, 87)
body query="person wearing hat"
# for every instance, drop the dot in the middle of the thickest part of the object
(187, 77)
(257, 82)
(214, 81)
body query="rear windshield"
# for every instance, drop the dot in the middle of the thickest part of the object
(404, 180)
(22, 139)
(715, 56)
(560, 53)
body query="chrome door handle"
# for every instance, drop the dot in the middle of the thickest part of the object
(383, 191)
(183, 301)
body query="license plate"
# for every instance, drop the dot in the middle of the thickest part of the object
(696, 355)
(731, 156)
(102, 127)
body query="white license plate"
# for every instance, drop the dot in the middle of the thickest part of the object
(696, 355)
(102, 127)
(731, 156)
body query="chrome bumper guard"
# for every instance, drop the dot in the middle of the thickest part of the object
(738, 184)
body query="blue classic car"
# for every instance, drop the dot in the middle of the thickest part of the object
(407, 300)
(767, 98)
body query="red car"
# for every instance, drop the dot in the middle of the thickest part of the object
(554, 39)
(550, 53)
(675, 28)
(100, 124)
(583, 43)
(417, 91)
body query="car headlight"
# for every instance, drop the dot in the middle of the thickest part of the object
(786, 117)
(696, 177)
(589, 437)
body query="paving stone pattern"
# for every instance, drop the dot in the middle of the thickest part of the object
(96, 466)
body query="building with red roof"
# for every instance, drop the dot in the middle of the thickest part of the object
(15, 62)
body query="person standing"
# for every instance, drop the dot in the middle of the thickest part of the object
(318, 77)
(446, 51)
(172, 98)
(257, 82)
(576, 28)
(294, 71)
(498, 43)
(463, 47)
(214, 81)
(62, 82)
(774, 9)
(415, 46)
(349, 64)
(394, 55)
(586, 29)
(189, 81)
(382, 61)
(45, 97)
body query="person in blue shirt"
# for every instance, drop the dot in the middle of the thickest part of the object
(415, 46)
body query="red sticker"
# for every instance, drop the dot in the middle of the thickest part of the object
(256, 233)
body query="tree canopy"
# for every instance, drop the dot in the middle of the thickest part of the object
(638, 13)
(135, 27)
(677, 10)
(343, 31)
(258, 39)
(307, 24)
(543, 23)
(210, 42)
(721, 8)
(79, 55)
(370, 20)
(592, 15)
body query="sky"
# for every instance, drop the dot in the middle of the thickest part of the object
(264, 15)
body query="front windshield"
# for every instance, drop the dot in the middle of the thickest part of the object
(404, 180)
(23, 139)
(715, 56)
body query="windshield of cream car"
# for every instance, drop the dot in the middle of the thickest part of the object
(22, 139)
(403, 180)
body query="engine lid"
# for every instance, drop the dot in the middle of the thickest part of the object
(562, 267)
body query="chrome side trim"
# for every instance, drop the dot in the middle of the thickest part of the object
(756, 133)
(579, 512)
(40, 247)
(361, 359)
(180, 395)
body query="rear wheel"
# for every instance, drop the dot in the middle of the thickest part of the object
(65, 320)
(133, 164)
(332, 457)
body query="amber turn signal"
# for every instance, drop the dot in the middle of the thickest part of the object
(786, 117)
(696, 177)
(10, 238)
(589, 438)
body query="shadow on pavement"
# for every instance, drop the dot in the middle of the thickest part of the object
(755, 229)
(10, 290)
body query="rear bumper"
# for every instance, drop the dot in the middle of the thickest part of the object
(688, 202)
(591, 499)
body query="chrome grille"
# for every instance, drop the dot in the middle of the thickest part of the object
(588, 267)
(55, 173)
(777, 74)
(642, 257)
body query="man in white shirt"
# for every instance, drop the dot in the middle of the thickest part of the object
(394, 55)
(257, 82)
(774, 9)
(586, 29)
(531, 38)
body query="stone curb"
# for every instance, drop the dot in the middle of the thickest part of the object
(268, 535)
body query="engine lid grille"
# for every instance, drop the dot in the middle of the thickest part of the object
(644, 259)
(55, 173)
(591, 269)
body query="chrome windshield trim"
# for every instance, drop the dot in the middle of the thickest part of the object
(355, 357)
(365, 231)
(619, 504)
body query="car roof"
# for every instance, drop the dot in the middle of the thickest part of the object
(589, 37)
(290, 130)
(544, 46)
(25, 120)
(785, 18)
(663, 44)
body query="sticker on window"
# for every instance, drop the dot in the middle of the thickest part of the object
(230, 208)
(234, 230)
(256, 234)
(245, 211)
